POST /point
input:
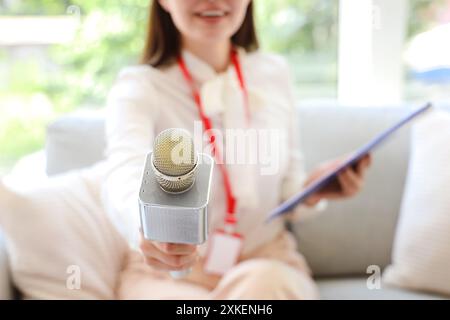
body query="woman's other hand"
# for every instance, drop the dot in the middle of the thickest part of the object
(347, 184)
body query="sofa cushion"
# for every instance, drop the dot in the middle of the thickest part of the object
(60, 242)
(421, 257)
(74, 141)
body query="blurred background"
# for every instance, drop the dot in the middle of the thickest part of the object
(58, 56)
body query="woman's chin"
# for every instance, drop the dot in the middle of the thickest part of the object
(212, 37)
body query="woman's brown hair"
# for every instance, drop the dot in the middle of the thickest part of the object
(163, 41)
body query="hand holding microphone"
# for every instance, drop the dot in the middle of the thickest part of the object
(173, 202)
(169, 256)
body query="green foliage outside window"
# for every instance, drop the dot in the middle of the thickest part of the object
(110, 36)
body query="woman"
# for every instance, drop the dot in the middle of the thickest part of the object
(201, 63)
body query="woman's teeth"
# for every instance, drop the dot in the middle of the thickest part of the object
(212, 13)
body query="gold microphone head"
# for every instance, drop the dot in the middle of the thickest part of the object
(174, 160)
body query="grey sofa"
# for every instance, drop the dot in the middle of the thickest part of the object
(344, 240)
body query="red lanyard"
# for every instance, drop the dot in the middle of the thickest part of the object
(231, 200)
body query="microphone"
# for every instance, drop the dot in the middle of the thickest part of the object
(174, 171)
(175, 191)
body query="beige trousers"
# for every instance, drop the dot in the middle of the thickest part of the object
(276, 271)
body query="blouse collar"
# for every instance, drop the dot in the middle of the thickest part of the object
(202, 71)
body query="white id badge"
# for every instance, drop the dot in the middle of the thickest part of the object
(223, 252)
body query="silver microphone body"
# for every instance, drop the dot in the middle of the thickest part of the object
(174, 195)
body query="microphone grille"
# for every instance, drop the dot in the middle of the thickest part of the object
(173, 152)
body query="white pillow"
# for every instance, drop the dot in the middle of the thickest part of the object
(421, 253)
(58, 232)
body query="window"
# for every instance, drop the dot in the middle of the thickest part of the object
(306, 33)
(427, 51)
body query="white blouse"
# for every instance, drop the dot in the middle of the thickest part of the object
(145, 100)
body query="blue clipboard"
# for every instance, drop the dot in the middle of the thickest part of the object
(291, 203)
